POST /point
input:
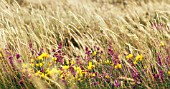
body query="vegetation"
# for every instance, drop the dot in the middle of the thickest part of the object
(84, 44)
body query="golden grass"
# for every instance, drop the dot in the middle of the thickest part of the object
(128, 25)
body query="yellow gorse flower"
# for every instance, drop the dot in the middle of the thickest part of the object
(94, 53)
(90, 66)
(32, 60)
(139, 57)
(168, 72)
(129, 56)
(43, 55)
(107, 62)
(162, 43)
(1, 55)
(93, 75)
(107, 76)
(135, 62)
(118, 66)
(65, 67)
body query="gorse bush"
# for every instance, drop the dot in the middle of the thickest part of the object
(86, 44)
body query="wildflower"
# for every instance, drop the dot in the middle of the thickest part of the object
(162, 44)
(93, 75)
(23, 70)
(32, 65)
(90, 66)
(65, 67)
(145, 67)
(32, 60)
(168, 72)
(118, 66)
(129, 56)
(107, 62)
(37, 65)
(107, 76)
(24, 65)
(139, 57)
(67, 62)
(17, 56)
(38, 73)
(43, 55)
(72, 62)
(135, 62)
(1, 55)
(40, 64)
(159, 59)
(79, 79)
(116, 83)
(94, 53)
(54, 59)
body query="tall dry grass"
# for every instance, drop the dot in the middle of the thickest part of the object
(136, 27)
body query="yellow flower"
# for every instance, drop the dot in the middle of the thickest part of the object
(145, 67)
(162, 43)
(72, 62)
(32, 65)
(93, 75)
(24, 65)
(168, 72)
(107, 62)
(43, 75)
(38, 73)
(139, 57)
(43, 55)
(118, 66)
(37, 65)
(1, 55)
(50, 64)
(65, 67)
(58, 71)
(67, 62)
(79, 79)
(23, 70)
(135, 62)
(90, 66)
(129, 56)
(94, 53)
(32, 60)
(107, 76)
(40, 64)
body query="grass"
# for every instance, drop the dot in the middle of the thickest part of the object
(84, 44)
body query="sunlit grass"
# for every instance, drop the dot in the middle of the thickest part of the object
(84, 44)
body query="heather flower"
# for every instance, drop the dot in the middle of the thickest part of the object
(59, 46)
(17, 56)
(161, 74)
(21, 82)
(116, 83)
(159, 59)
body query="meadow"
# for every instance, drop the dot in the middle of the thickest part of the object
(84, 44)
